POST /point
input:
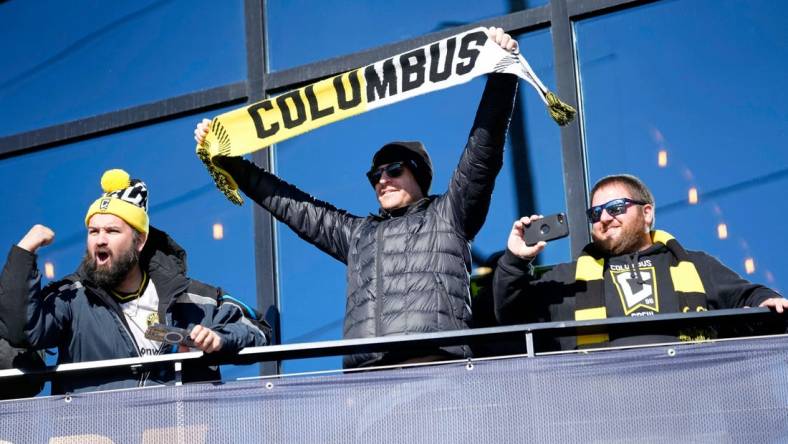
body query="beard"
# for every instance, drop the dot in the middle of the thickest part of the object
(110, 277)
(631, 238)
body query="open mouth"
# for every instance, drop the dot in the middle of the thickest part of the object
(102, 257)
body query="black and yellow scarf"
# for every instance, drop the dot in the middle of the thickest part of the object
(452, 61)
(590, 269)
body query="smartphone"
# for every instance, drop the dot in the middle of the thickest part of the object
(546, 229)
(169, 335)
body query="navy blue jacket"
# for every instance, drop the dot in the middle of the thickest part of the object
(85, 323)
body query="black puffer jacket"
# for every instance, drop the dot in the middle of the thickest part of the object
(408, 271)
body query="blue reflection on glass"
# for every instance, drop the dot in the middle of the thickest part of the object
(55, 187)
(303, 31)
(66, 60)
(700, 82)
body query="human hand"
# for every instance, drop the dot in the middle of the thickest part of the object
(206, 339)
(503, 39)
(38, 236)
(779, 305)
(516, 242)
(201, 131)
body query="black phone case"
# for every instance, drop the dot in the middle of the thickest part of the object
(546, 229)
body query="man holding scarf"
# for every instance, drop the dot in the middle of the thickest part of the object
(408, 266)
(628, 270)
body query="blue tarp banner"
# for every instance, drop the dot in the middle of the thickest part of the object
(716, 392)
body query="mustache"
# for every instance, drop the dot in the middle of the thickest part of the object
(111, 275)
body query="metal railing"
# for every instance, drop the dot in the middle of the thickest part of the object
(522, 334)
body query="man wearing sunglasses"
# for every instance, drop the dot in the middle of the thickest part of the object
(629, 269)
(408, 266)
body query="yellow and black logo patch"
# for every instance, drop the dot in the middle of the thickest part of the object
(152, 319)
(636, 296)
(104, 203)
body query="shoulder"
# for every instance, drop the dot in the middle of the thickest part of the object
(199, 289)
(196, 286)
(69, 284)
(703, 259)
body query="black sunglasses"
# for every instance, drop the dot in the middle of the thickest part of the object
(614, 208)
(394, 169)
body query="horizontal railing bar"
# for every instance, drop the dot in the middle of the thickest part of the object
(422, 341)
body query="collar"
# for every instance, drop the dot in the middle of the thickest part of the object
(419, 205)
(126, 297)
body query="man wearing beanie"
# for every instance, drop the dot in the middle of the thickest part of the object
(132, 277)
(408, 266)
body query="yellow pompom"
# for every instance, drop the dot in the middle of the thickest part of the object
(114, 180)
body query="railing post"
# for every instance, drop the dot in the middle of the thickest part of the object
(178, 372)
(529, 344)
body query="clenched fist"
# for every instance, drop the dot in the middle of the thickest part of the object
(38, 236)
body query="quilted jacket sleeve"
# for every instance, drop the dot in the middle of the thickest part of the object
(468, 198)
(315, 221)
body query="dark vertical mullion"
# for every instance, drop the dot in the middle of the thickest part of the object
(264, 240)
(520, 154)
(572, 148)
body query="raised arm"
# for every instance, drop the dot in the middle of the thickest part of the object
(468, 199)
(315, 221)
(470, 189)
(30, 316)
(519, 294)
(20, 280)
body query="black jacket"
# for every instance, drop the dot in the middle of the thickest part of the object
(522, 297)
(87, 324)
(16, 355)
(21, 358)
(408, 270)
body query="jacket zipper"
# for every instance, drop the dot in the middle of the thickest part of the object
(143, 376)
(445, 295)
(378, 279)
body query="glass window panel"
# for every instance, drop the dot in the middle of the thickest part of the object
(304, 31)
(67, 60)
(330, 163)
(55, 187)
(699, 81)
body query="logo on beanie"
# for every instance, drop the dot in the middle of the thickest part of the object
(124, 197)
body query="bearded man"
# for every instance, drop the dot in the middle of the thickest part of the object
(628, 270)
(132, 277)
